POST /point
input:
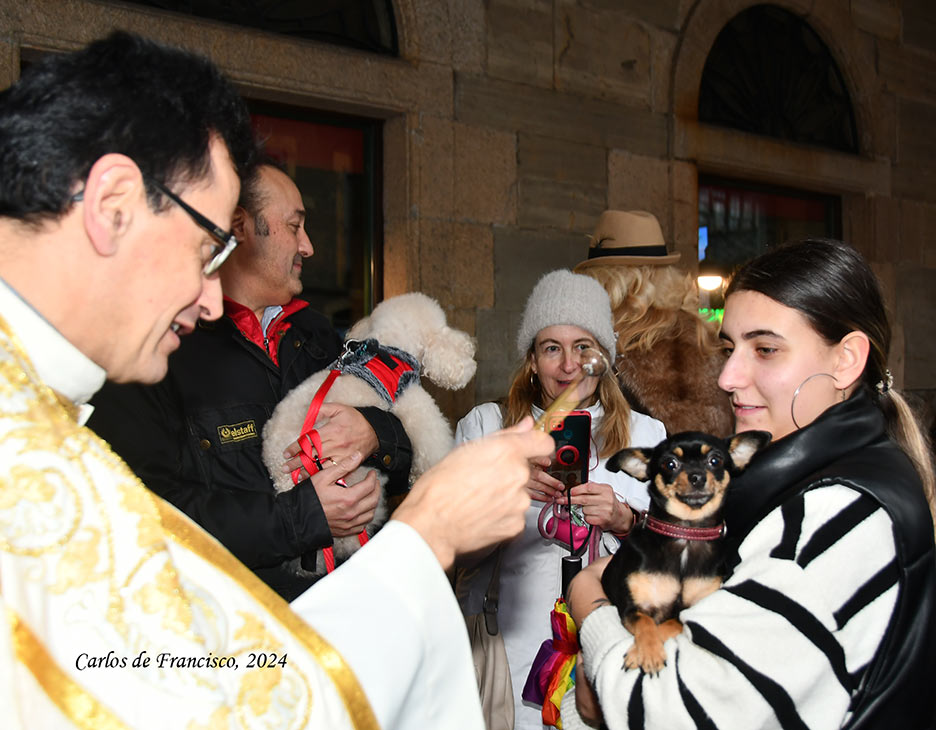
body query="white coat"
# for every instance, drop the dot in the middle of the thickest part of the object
(531, 577)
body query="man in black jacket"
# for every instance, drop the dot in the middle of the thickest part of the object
(194, 438)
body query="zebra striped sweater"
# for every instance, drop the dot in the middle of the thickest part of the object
(783, 643)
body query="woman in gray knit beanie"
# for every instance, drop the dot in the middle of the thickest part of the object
(565, 314)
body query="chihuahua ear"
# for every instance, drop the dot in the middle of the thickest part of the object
(631, 461)
(742, 446)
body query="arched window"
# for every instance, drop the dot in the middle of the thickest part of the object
(367, 25)
(769, 73)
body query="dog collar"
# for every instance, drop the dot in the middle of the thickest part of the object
(680, 532)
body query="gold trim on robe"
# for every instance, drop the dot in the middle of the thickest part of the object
(69, 696)
(188, 534)
(112, 558)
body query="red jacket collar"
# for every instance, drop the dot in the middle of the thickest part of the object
(248, 324)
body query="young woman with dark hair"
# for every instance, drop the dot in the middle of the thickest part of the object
(825, 618)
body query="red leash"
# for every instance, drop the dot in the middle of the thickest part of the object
(310, 445)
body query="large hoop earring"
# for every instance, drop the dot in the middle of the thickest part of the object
(800, 387)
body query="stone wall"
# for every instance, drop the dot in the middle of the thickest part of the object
(509, 125)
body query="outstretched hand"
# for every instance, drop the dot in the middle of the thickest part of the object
(475, 496)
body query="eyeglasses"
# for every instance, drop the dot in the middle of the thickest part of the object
(225, 239)
(226, 242)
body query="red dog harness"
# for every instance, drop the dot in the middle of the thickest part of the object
(388, 370)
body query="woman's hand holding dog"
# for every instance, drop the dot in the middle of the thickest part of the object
(584, 596)
(586, 701)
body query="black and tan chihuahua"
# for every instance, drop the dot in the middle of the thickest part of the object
(672, 557)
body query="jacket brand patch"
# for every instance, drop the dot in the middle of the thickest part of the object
(237, 432)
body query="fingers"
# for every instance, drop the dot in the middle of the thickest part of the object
(348, 509)
(359, 506)
(344, 430)
(528, 447)
(293, 464)
(543, 487)
(541, 461)
(335, 470)
(292, 454)
(592, 493)
(537, 494)
(601, 507)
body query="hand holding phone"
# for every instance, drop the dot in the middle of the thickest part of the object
(572, 434)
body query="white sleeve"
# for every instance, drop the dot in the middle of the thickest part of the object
(480, 420)
(390, 612)
(783, 642)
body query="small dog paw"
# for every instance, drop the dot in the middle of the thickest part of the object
(650, 659)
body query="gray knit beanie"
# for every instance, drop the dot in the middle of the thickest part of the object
(562, 297)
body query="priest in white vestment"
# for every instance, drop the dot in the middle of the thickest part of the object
(120, 612)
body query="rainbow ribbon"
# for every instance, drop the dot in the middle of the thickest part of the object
(553, 670)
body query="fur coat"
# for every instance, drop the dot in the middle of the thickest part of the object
(677, 384)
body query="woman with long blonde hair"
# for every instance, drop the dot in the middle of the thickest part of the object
(668, 356)
(565, 315)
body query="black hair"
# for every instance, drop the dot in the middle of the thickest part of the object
(832, 286)
(156, 104)
(251, 198)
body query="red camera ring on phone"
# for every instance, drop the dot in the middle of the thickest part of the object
(565, 452)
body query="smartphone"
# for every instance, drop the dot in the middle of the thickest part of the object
(572, 434)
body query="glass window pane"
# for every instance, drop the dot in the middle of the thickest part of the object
(739, 220)
(769, 73)
(333, 163)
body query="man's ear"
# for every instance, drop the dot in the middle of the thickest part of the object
(853, 351)
(113, 192)
(238, 222)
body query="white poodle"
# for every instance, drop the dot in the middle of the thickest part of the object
(412, 328)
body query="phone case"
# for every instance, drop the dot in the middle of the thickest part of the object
(572, 434)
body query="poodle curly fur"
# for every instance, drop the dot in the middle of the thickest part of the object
(416, 324)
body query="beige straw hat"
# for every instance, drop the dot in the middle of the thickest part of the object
(628, 238)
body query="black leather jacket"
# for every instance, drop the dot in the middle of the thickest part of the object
(848, 445)
(194, 439)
